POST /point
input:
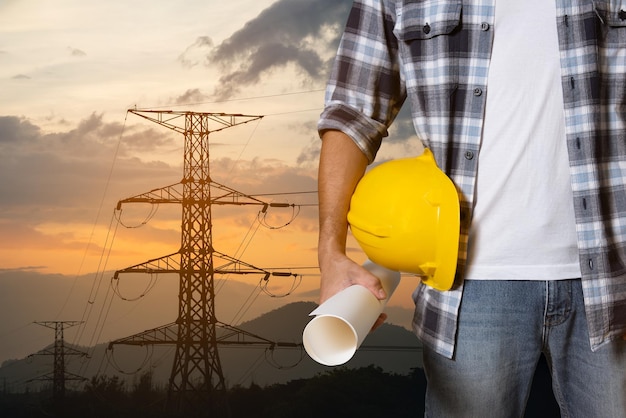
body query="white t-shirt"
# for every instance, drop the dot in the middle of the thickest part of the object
(523, 225)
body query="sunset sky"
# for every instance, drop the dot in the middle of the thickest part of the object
(70, 69)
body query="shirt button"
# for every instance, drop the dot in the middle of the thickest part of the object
(426, 28)
(478, 91)
(484, 26)
(469, 155)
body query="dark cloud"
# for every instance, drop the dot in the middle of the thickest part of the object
(14, 129)
(20, 269)
(190, 96)
(196, 52)
(299, 32)
(75, 52)
(286, 22)
(402, 128)
(61, 176)
(64, 172)
(264, 60)
(263, 176)
(92, 136)
(311, 153)
(20, 77)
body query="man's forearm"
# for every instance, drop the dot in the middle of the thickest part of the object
(342, 165)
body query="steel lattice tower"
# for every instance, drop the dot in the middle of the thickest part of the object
(59, 351)
(196, 350)
(196, 378)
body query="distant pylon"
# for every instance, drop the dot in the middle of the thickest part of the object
(196, 379)
(59, 374)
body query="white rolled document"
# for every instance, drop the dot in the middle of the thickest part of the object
(343, 321)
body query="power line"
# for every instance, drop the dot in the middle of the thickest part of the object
(240, 99)
(294, 111)
(93, 228)
(284, 193)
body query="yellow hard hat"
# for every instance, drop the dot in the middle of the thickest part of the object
(404, 214)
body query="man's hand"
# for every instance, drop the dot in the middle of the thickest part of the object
(340, 272)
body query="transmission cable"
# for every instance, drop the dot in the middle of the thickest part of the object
(115, 285)
(110, 356)
(262, 217)
(154, 207)
(264, 283)
(93, 228)
(247, 304)
(98, 277)
(268, 96)
(255, 365)
(271, 360)
(256, 126)
(107, 302)
(97, 333)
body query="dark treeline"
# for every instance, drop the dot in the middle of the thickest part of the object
(340, 392)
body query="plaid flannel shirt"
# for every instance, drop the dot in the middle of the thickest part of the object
(437, 54)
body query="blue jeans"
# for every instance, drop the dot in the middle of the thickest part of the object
(504, 327)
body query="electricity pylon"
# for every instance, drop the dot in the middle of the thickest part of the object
(59, 374)
(196, 378)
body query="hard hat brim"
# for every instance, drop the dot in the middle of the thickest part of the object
(447, 254)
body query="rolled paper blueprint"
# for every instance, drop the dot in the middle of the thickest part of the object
(343, 321)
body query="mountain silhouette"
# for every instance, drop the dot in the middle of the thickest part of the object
(252, 367)
(241, 365)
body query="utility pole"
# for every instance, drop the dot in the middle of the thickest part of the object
(196, 381)
(59, 374)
